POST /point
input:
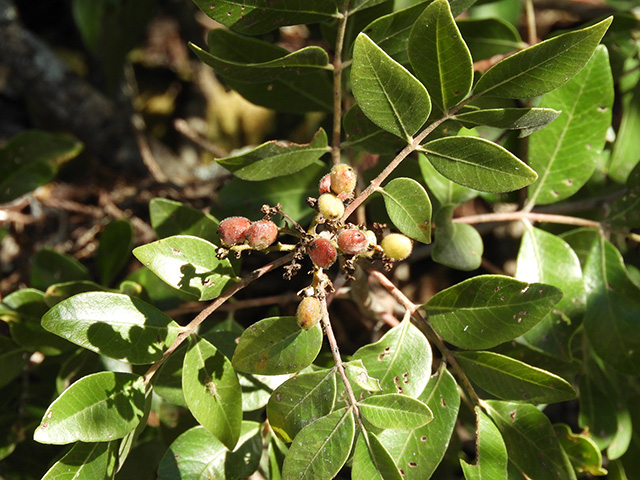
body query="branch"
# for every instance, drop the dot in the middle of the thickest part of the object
(532, 216)
(337, 85)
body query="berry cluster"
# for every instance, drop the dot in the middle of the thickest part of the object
(335, 189)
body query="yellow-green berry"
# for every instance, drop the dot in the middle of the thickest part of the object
(396, 246)
(309, 312)
(330, 206)
(343, 179)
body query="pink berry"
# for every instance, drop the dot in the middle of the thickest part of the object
(233, 230)
(309, 312)
(353, 241)
(343, 179)
(325, 184)
(322, 252)
(262, 234)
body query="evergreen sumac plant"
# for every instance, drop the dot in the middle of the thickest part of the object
(440, 118)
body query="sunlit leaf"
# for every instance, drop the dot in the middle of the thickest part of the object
(409, 208)
(387, 93)
(583, 453)
(393, 410)
(371, 461)
(85, 461)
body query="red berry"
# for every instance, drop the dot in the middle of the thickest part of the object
(325, 184)
(309, 312)
(262, 234)
(233, 230)
(322, 252)
(343, 179)
(353, 241)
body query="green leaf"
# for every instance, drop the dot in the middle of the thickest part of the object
(527, 120)
(170, 218)
(439, 56)
(50, 267)
(487, 310)
(12, 359)
(371, 461)
(100, 407)
(357, 5)
(197, 454)
(542, 67)
(441, 188)
(479, 164)
(420, 451)
(114, 325)
(291, 192)
(248, 60)
(61, 291)
(23, 310)
(457, 245)
(212, 391)
(565, 154)
(357, 373)
(321, 448)
(301, 400)
(363, 134)
(254, 17)
(531, 442)
(613, 311)
(275, 346)
(387, 93)
(491, 452)
(409, 208)
(546, 258)
(393, 410)
(400, 360)
(85, 461)
(597, 412)
(114, 249)
(583, 453)
(188, 264)
(487, 37)
(510, 379)
(32, 158)
(624, 155)
(275, 159)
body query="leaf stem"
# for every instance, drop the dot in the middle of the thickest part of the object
(337, 84)
(425, 327)
(213, 306)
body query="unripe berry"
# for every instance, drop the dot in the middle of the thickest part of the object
(343, 179)
(373, 240)
(322, 252)
(262, 234)
(353, 241)
(233, 230)
(309, 312)
(325, 184)
(396, 246)
(330, 206)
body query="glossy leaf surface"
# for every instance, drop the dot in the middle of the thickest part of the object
(488, 310)
(510, 379)
(420, 451)
(114, 325)
(565, 153)
(439, 56)
(531, 442)
(170, 218)
(275, 159)
(188, 264)
(442, 189)
(387, 93)
(491, 452)
(254, 17)
(479, 164)
(301, 400)
(212, 391)
(275, 346)
(544, 66)
(612, 320)
(371, 461)
(547, 258)
(100, 407)
(400, 360)
(321, 448)
(395, 411)
(409, 208)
